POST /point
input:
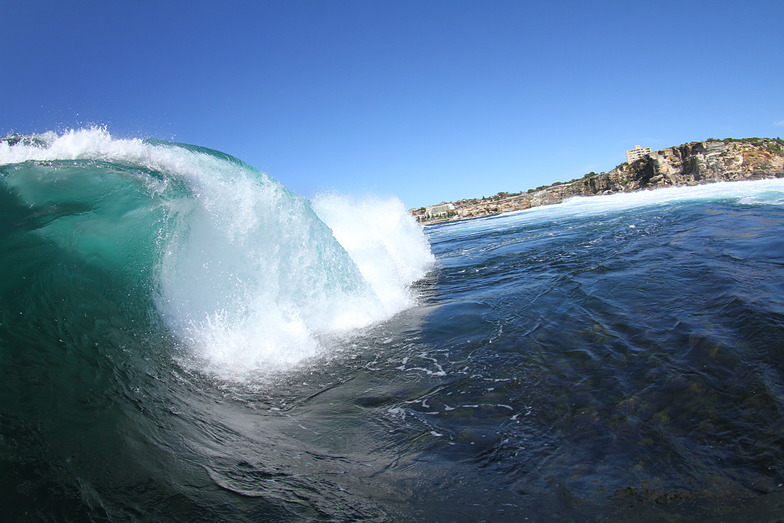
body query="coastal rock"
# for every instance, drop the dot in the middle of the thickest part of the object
(693, 163)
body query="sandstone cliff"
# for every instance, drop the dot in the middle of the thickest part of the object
(688, 164)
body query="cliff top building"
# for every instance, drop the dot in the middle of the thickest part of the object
(637, 153)
(439, 211)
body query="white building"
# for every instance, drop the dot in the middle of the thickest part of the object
(637, 153)
(438, 211)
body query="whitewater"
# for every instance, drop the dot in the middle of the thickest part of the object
(183, 339)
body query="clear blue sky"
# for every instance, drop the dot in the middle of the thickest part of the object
(428, 100)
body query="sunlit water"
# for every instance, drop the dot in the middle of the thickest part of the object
(604, 359)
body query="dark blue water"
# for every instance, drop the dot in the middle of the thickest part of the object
(606, 359)
(616, 362)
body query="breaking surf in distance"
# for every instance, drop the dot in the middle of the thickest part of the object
(245, 275)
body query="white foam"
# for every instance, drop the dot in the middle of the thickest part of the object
(383, 239)
(744, 191)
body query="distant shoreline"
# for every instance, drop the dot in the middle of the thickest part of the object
(694, 163)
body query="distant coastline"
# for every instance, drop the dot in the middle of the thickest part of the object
(693, 163)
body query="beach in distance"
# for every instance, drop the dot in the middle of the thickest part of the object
(184, 339)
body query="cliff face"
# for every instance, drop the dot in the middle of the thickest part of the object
(688, 164)
(701, 162)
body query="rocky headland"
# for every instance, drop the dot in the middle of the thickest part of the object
(693, 163)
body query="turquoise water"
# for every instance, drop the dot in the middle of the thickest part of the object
(182, 339)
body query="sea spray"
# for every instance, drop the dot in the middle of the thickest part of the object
(240, 270)
(384, 241)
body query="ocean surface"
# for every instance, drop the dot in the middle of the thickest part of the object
(183, 339)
